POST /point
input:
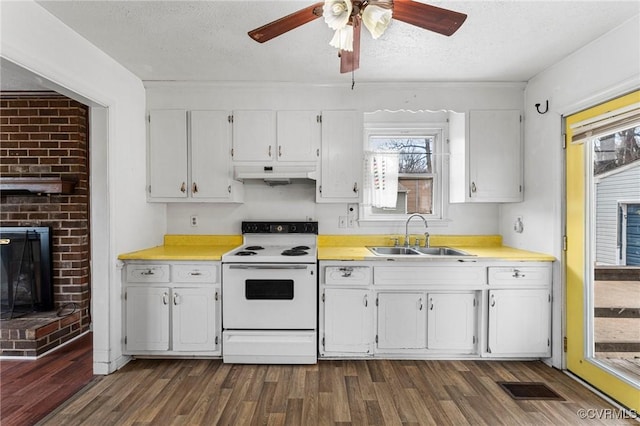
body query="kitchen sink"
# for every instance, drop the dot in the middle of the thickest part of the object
(417, 251)
(386, 251)
(441, 251)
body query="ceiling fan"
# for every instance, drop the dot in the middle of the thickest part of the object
(347, 16)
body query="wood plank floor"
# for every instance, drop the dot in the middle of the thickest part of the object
(374, 392)
(31, 389)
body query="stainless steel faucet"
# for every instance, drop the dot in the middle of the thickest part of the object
(406, 234)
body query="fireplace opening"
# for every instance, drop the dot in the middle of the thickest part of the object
(26, 283)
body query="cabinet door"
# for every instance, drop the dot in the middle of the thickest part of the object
(298, 136)
(194, 318)
(168, 153)
(341, 168)
(451, 321)
(147, 319)
(402, 321)
(495, 156)
(519, 322)
(348, 320)
(254, 135)
(210, 154)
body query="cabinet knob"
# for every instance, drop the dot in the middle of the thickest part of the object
(194, 187)
(420, 301)
(473, 187)
(279, 150)
(493, 301)
(269, 150)
(366, 301)
(355, 187)
(175, 298)
(183, 187)
(229, 189)
(165, 298)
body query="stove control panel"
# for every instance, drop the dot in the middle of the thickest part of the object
(280, 227)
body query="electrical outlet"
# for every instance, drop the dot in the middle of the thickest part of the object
(342, 222)
(193, 220)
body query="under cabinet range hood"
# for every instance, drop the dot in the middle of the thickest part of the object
(275, 175)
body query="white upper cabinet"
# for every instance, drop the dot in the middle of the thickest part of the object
(486, 165)
(341, 158)
(189, 157)
(254, 135)
(298, 136)
(284, 136)
(168, 169)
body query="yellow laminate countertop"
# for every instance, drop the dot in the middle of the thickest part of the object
(330, 247)
(187, 247)
(354, 247)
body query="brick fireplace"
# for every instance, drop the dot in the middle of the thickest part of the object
(45, 135)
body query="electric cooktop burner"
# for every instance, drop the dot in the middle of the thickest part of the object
(246, 253)
(297, 248)
(251, 248)
(294, 252)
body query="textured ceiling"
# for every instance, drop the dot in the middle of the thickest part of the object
(207, 40)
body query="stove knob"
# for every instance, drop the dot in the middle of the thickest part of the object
(309, 228)
(252, 227)
(293, 228)
(279, 228)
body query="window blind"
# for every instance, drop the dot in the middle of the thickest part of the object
(606, 124)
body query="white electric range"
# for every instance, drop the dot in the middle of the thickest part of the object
(269, 295)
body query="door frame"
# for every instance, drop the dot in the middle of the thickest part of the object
(577, 232)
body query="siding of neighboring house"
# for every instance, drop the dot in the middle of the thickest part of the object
(612, 188)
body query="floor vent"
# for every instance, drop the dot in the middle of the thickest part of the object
(529, 390)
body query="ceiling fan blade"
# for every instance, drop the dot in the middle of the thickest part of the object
(432, 18)
(287, 23)
(350, 61)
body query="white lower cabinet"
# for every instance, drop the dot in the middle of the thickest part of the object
(434, 321)
(435, 310)
(452, 321)
(176, 313)
(519, 322)
(348, 321)
(402, 321)
(194, 322)
(147, 319)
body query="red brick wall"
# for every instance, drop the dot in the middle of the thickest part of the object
(47, 135)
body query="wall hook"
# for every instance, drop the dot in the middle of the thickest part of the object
(546, 103)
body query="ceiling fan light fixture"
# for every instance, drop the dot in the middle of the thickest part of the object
(343, 39)
(337, 13)
(376, 19)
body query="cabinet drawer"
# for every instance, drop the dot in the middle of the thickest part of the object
(419, 275)
(149, 273)
(347, 275)
(195, 273)
(519, 275)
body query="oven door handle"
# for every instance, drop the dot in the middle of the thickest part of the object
(267, 266)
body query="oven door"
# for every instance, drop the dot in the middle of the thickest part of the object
(269, 296)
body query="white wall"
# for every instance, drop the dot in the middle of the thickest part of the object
(33, 39)
(604, 69)
(297, 201)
